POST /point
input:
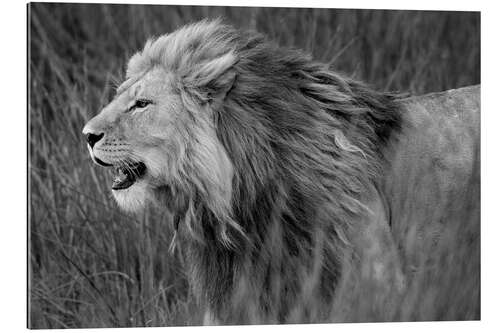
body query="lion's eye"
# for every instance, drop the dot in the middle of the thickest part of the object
(140, 104)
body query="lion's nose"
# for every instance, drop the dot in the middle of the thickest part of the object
(93, 138)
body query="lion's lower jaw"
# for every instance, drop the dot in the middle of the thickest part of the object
(134, 198)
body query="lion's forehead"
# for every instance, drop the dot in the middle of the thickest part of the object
(155, 82)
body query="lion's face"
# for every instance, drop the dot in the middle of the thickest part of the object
(140, 134)
(155, 142)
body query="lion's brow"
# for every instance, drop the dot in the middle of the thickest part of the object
(124, 86)
(128, 83)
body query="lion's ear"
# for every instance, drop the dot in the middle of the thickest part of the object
(212, 80)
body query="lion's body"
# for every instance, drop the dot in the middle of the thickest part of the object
(430, 194)
(433, 192)
(291, 186)
(434, 171)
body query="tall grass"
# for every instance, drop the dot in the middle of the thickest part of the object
(93, 266)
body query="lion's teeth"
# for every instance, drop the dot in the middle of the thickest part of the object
(126, 176)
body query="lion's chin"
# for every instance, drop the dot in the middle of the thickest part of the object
(134, 198)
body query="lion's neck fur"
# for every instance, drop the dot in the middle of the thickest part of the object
(304, 152)
(306, 146)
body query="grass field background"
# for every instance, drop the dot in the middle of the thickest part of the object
(93, 266)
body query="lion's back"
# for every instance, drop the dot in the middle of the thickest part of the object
(433, 191)
(462, 102)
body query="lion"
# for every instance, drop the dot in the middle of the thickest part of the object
(297, 194)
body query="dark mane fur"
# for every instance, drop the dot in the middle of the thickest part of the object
(306, 144)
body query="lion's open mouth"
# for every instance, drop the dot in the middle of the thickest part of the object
(127, 175)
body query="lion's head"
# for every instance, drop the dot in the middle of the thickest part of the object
(158, 132)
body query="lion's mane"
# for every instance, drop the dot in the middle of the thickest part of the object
(305, 146)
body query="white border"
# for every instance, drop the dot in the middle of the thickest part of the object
(13, 166)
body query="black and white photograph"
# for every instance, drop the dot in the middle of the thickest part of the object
(192, 165)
